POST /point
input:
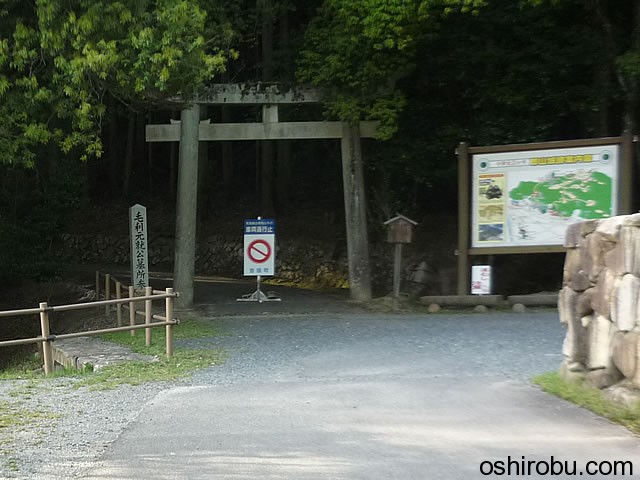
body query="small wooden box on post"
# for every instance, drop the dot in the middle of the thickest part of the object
(399, 232)
(400, 229)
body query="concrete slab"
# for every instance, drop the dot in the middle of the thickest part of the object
(536, 299)
(82, 352)
(462, 300)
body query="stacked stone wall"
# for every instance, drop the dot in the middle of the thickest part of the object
(600, 301)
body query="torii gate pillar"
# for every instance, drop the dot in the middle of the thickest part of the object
(355, 209)
(186, 206)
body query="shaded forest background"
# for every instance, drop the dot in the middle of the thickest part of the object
(435, 73)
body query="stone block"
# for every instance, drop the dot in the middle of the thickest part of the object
(604, 377)
(602, 298)
(518, 308)
(570, 374)
(632, 220)
(630, 243)
(592, 253)
(566, 301)
(433, 308)
(571, 265)
(624, 347)
(588, 227)
(575, 345)
(609, 227)
(614, 260)
(572, 235)
(584, 301)
(580, 281)
(599, 329)
(624, 258)
(624, 307)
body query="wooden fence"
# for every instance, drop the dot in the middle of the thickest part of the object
(127, 303)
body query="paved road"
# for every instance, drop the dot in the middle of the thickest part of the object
(363, 396)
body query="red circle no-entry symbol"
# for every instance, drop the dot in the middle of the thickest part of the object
(259, 251)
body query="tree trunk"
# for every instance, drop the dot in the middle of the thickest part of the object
(203, 172)
(268, 148)
(128, 157)
(111, 148)
(283, 165)
(284, 174)
(227, 158)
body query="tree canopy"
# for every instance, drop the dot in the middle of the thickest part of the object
(79, 80)
(60, 59)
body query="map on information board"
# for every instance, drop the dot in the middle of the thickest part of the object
(530, 197)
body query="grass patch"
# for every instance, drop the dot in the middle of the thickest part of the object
(24, 366)
(13, 415)
(183, 361)
(590, 398)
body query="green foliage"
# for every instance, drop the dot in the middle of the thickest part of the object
(358, 51)
(61, 59)
(509, 73)
(34, 206)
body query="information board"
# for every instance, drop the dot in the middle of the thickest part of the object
(529, 198)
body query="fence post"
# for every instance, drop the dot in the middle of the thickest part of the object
(132, 310)
(119, 306)
(46, 345)
(148, 291)
(97, 285)
(169, 316)
(107, 293)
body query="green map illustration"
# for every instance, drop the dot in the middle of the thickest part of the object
(587, 193)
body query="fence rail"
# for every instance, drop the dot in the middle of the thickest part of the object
(128, 303)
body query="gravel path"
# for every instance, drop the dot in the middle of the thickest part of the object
(78, 425)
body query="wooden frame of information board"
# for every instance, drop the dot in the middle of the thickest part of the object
(464, 152)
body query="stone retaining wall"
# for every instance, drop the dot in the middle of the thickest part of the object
(600, 301)
(311, 263)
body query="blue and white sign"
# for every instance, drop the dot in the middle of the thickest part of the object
(259, 247)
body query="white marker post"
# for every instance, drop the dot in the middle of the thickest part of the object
(139, 253)
(259, 256)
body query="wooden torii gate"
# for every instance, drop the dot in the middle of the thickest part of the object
(190, 131)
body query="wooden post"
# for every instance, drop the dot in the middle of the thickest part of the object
(97, 285)
(463, 219)
(397, 262)
(132, 310)
(119, 306)
(625, 198)
(186, 205)
(148, 304)
(355, 214)
(169, 317)
(47, 354)
(107, 292)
